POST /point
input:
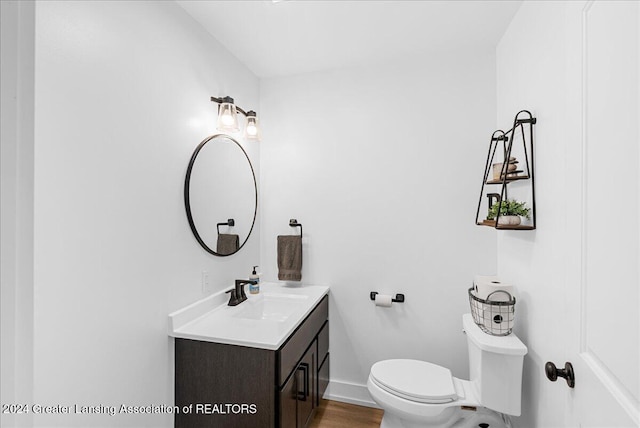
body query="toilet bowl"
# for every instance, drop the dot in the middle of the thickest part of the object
(416, 393)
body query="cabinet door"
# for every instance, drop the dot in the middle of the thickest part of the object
(298, 395)
(288, 400)
(306, 386)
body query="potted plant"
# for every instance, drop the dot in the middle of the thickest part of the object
(510, 212)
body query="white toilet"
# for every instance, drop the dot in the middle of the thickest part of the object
(419, 394)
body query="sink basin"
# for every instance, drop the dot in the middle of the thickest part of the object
(271, 306)
(263, 321)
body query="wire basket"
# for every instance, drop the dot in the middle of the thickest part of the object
(494, 317)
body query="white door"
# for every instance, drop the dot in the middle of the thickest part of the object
(603, 180)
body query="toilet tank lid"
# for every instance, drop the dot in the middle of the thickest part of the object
(508, 345)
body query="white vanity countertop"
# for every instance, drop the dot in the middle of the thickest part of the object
(264, 320)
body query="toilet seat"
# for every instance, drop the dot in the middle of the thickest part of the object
(415, 380)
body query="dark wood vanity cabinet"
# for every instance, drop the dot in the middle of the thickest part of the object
(238, 386)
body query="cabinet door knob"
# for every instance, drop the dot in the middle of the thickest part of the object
(553, 373)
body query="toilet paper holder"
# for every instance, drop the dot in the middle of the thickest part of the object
(398, 299)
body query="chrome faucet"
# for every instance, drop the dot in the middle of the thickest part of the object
(237, 295)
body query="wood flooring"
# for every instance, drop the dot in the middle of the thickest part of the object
(335, 414)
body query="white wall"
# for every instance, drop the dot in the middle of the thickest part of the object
(122, 100)
(382, 166)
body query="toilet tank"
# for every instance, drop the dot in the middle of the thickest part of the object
(495, 368)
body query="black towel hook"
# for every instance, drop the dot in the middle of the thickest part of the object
(294, 223)
(230, 222)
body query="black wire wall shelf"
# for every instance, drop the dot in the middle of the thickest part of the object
(508, 170)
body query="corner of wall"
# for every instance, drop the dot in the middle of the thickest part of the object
(17, 146)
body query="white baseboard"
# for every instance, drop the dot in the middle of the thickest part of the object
(348, 392)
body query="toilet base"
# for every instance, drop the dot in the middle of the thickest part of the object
(458, 419)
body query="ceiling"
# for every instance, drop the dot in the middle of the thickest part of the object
(291, 37)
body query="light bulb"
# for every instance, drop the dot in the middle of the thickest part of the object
(252, 131)
(227, 117)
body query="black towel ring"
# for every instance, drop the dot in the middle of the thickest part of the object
(230, 222)
(294, 223)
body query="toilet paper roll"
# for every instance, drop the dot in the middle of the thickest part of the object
(485, 278)
(484, 287)
(383, 300)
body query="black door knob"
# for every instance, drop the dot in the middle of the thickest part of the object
(553, 373)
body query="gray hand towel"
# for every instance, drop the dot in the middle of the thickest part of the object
(289, 258)
(227, 243)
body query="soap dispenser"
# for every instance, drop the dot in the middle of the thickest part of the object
(254, 288)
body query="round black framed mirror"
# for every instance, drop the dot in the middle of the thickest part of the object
(221, 195)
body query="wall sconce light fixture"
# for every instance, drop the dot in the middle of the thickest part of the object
(252, 130)
(228, 118)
